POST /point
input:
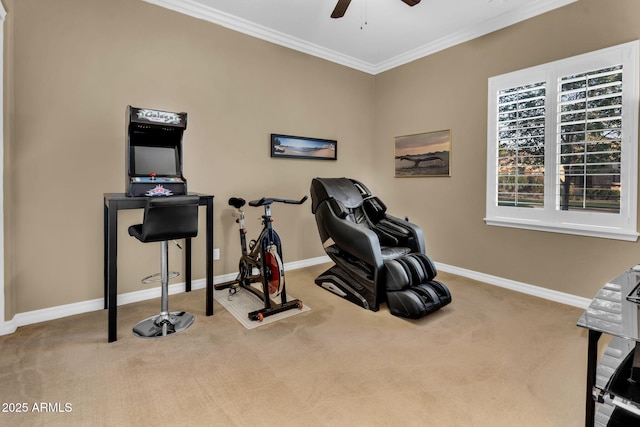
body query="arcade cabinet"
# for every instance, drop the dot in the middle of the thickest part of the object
(154, 153)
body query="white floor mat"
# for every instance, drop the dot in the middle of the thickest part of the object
(244, 302)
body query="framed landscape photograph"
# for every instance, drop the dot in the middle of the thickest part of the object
(299, 147)
(423, 154)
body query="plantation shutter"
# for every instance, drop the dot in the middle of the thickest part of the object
(562, 145)
(521, 131)
(590, 140)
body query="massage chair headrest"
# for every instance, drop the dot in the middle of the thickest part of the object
(343, 190)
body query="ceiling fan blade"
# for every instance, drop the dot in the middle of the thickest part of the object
(411, 2)
(341, 8)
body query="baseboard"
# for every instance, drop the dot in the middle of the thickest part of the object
(51, 313)
(524, 288)
(45, 314)
(8, 327)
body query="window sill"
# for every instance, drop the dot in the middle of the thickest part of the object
(575, 229)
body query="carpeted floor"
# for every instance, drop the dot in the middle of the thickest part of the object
(492, 357)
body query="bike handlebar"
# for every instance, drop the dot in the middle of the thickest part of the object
(268, 200)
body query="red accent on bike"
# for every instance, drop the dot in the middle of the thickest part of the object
(274, 280)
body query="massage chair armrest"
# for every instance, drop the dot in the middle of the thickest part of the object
(407, 233)
(356, 240)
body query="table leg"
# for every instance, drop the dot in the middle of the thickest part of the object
(592, 363)
(105, 251)
(112, 273)
(209, 251)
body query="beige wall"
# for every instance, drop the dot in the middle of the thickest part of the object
(8, 53)
(74, 66)
(78, 64)
(448, 90)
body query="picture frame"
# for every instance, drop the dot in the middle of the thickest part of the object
(300, 147)
(423, 154)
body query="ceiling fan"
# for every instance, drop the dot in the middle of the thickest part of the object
(342, 5)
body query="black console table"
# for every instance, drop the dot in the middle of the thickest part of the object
(113, 202)
(614, 381)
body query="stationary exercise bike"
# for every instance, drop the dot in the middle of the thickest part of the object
(262, 262)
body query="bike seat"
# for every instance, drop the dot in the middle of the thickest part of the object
(237, 202)
(268, 200)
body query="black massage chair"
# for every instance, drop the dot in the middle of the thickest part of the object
(377, 257)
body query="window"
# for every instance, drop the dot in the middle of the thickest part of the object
(562, 145)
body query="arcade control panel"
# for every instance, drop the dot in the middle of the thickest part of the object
(157, 180)
(152, 186)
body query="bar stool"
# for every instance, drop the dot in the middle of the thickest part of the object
(166, 218)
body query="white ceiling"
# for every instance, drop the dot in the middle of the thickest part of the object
(374, 35)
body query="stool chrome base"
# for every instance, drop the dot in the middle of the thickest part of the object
(163, 324)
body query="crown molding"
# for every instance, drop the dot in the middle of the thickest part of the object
(207, 13)
(484, 28)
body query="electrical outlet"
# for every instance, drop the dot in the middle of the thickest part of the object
(216, 254)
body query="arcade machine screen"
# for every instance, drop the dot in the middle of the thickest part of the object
(163, 161)
(154, 153)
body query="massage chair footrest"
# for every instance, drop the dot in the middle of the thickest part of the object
(411, 289)
(415, 302)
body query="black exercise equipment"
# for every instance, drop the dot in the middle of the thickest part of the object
(377, 257)
(261, 262)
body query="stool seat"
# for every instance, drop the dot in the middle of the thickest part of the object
(166, 218)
